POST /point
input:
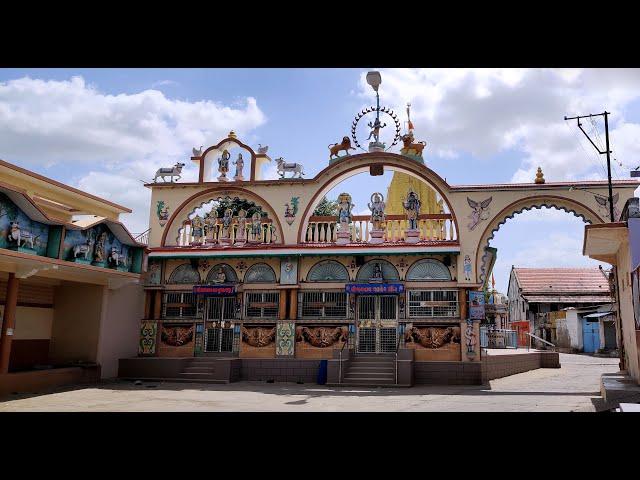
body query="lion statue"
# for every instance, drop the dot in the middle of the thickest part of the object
(408, 145)
(334, 148)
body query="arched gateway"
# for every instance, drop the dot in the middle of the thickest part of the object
(302, 286)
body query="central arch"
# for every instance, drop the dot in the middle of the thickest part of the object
(338, 172)
(568, 205)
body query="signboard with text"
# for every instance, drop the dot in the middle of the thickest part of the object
(215, 290)
(374, 288)
(476, 305)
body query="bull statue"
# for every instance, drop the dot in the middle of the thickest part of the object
(284, 167)
(171, 172)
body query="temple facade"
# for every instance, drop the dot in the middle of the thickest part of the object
(241, 269)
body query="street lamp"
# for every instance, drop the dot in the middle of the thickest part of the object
(375, 79)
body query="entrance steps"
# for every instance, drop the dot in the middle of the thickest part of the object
(371, 370)
(201, 369)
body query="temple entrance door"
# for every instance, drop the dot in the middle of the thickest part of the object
(377, 320)
(220, 311)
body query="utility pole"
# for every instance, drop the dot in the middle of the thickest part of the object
(605, 114)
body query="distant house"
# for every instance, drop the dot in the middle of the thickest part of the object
(570, 307)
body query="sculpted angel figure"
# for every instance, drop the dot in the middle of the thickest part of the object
(480, 211)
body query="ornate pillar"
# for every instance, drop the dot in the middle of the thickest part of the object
(293, 304)
(282, 311)
(462, 302)
(8, 322)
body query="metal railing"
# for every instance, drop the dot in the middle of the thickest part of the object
(498, 338)
(531, 335)
(142, 237)
(397, 348)
(340, 360)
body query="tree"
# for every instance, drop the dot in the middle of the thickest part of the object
(326, 208)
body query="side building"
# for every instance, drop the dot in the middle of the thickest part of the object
(70, 293)
(570, 307)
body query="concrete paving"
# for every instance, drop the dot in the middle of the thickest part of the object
(573, 387)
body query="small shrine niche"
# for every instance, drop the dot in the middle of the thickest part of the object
(230, 161)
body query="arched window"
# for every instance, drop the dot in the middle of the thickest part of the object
(389, 272)
(185, 273)
(229, 273)
(260, 273)
(428, 270)
(328, 271)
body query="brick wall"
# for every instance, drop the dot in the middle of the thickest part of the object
(280, 370)
(447, 373)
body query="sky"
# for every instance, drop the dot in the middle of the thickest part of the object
(108, 130)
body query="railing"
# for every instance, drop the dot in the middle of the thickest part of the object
(531, 335)
(498, 338)
(397, 348)
(214, 234)
(340, 360)
(142, 237)
(434, 227)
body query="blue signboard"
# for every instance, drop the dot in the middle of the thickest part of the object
(215, 290)
(476, 305)
(374, 288)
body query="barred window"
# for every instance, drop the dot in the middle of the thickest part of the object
(262, 304)
(178, 305)
(320, 304)
(433, 303)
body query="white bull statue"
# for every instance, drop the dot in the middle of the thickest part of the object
(284, 167)
(171, 172)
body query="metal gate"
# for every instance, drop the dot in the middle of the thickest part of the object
(218, 329)
(377, 320)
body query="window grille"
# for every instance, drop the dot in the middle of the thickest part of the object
(221, 308)
(178, 305)
(320, 304)
(262, 304)
(433, 303)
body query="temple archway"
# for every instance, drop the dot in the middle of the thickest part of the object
(574, 207)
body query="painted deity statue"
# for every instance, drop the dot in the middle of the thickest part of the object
(197, 229)
(239, 163)
(223, 166)
(377, 207)
(256, 227)
(467, 268)
(412, 206)
(99, 254)
(344, 211)
(377, 273)
(375, 130)
(241, 234)
(470, 337)
(209, 227)
(226, 222)
(220, 276)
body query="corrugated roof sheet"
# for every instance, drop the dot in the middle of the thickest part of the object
(583, 281)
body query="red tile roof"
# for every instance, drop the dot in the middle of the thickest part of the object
(599, 299)
(583, 281)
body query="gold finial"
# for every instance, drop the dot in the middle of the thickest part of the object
(232, 134)
(539, 176)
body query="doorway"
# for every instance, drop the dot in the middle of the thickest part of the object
(220, 311)
(377, 323)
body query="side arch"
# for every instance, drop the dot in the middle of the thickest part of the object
(229, 272)
(428, 270)
(221, 190)
(568, 205)
(184, 274)
(260, 273)
(389, 272)
(328, 271)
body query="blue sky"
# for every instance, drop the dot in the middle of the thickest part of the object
(105, 129)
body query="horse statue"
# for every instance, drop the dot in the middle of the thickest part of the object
(284, 167)
(117, 257)
(20, 235)
(84, 248)
(171, 172)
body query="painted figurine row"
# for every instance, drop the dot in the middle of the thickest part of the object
(212, 229)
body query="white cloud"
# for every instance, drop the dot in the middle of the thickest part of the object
(112, 141)
(486, 111)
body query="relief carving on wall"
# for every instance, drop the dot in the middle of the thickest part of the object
(147, 344)
(322, 337)
(258, 336)
(432, 337)
(177, 336)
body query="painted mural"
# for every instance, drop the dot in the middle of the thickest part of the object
(18, 232)
(148, 334)
(285, 339)
(176, 340)
(319, 341)
(258, 341)
(434, 342)
(97, 246)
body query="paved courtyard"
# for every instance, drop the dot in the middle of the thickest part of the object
(574, 387)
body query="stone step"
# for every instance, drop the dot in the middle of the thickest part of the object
(368, 385)
(358, 368)
(198, 370)
(197, 375)
(370, 373)
(369, 380)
